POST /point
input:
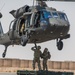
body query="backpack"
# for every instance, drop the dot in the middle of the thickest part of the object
(49, 55)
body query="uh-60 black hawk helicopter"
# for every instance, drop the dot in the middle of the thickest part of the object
(35, 24)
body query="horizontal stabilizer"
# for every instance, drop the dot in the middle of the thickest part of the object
(12, 11)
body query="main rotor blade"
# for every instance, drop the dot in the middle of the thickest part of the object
(56, 0)
(62, 0)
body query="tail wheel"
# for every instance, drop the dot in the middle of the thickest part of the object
(60, 45)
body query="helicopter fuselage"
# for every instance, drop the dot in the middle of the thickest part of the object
(42, 25)
(51, 25)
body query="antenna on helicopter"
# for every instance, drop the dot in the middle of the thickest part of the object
(1, 9)
(33, 2)
(2, 6)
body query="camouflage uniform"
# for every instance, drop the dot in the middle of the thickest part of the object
(46, 55)
(37, 55)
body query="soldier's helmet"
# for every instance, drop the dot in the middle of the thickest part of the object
(39, 47)
(46, 49)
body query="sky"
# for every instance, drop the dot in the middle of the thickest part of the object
(19, 52)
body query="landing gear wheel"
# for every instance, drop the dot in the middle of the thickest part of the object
(24, 40)
(3, 55)
(60, 45)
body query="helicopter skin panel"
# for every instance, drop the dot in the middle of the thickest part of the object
(4, 39)
(1, 30)
(49, 34)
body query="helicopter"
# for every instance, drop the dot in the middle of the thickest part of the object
(35, 24)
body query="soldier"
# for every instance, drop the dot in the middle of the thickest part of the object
(37, 55)
(22, 27)
(46, 55)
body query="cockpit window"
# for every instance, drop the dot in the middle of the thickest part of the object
(27, 22)
(55, 15)
(63, 16)
(47, 14)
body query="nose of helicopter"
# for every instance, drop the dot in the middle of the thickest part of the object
(60, 26)
(44, 24)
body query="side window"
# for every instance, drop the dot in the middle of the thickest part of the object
(28, 21)
(37, 19)
(22, 27)
(55, 15)
(42, 15)
(63, 16)
(47, 14)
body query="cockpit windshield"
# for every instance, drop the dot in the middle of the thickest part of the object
(55, 15)
(47, 14)
(63, 16)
